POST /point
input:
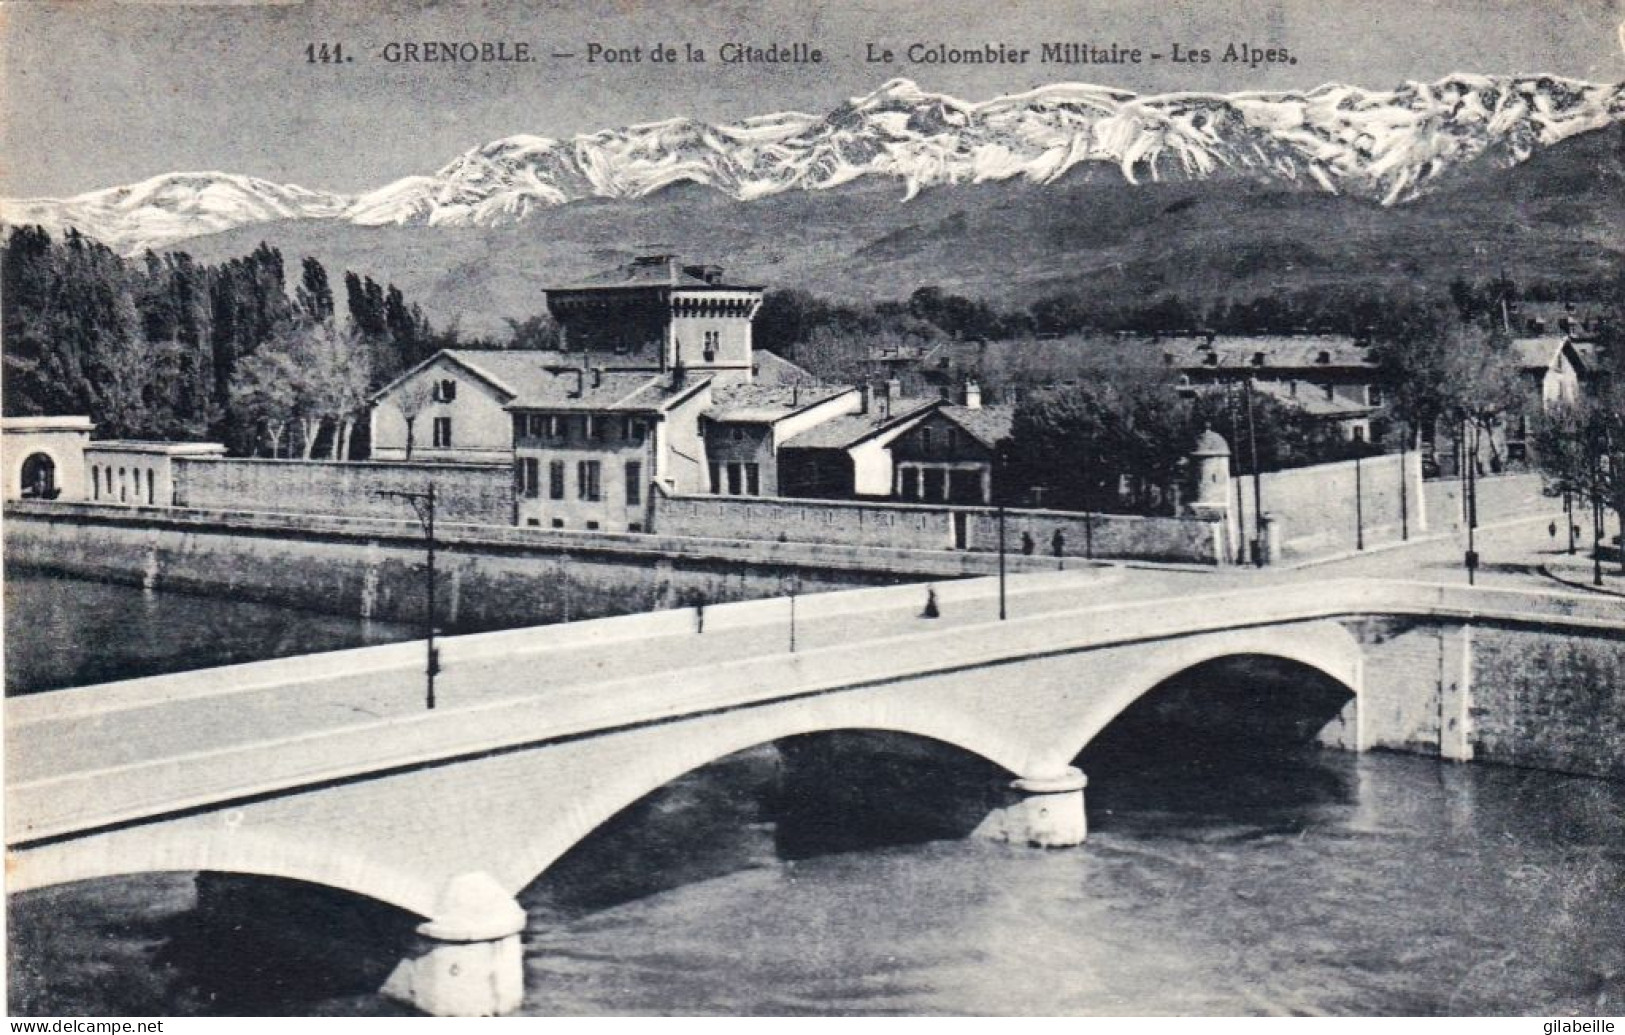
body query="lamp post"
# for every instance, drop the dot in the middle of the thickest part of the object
(1258, 482)
(423, 505)
(1596, 520)
(1568, 516)
(1470, 454)
(1359, 505)
(792, 585)
(1002, 611)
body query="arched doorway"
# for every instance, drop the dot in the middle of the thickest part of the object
(39, 478)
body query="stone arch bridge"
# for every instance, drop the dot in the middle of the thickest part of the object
(327, 769)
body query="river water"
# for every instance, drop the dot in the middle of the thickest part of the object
(1223, 875)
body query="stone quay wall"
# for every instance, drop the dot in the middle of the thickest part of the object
(928, 527)
(490, 576)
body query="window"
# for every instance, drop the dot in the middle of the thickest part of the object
(753, 480)
(1329, 393)
(911, 483)
(530, 477)
(1323, 357)
(733, 479)
(737, 434)
(558, 522)
(96, 481)
(953, 439)
(442, 432)
(1258, 359)
(592, 526)
(634, 483)
(636, 526)
(712, 340)
(445, 391)
(925, 439)
(716, 479)
(1373, 395)
(588, 473)
(555, 480)
(123, 493)
(152, 496)
(631, 430)
(533, 522)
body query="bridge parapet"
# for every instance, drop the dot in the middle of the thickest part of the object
(508, 784)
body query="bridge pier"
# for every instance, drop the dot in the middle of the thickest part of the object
(468, 961)
(1044, 812)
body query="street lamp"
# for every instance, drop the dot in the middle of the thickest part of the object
(423, 504)
(1258, 482)
(792, 585)
(1470, 454)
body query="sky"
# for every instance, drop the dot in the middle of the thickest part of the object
(96, 93)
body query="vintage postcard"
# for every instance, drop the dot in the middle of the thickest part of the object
(814, 507)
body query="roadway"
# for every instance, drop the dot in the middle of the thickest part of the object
(574, 672)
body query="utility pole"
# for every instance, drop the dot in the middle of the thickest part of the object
(1359, 505)
(1001, 561)
(1404, 486)
(1470, 454)
(1597, 529)
(423, 505)
(1258, 482)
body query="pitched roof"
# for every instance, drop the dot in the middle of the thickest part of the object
(1541, 353)
(1313, 403)
(770, 368)
(1290, 352)
(767, 404)
(536, 380)
(852, 428)
(656, 271)
(621, 390)
(989, 425)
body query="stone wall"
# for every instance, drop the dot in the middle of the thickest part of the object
(1550, 699)
(1525, 694)
(939, 527)
(479, 493)
(1333, 508)
(491, 576)
(1499, 497)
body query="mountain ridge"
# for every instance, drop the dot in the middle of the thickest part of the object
(1390, 147)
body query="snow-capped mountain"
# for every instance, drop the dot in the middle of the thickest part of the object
(1388, 146)
(173, 207)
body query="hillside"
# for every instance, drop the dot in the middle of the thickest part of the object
(1556, 216)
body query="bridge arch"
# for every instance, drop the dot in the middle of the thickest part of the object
(612, 791)
(217, 847)
(1325, 647)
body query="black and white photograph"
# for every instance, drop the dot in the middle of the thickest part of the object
(813, 508)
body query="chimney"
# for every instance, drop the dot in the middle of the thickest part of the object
(973, 395)
(866, 397)
(597, 377)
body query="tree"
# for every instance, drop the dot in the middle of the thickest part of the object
(1579, 448)
(314, 294)
(1442, 369)
(412, 398)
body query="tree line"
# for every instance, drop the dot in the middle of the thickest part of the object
(166, 347)
(799, 324)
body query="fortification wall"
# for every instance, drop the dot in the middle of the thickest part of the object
(927, 527)
(476, 493)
